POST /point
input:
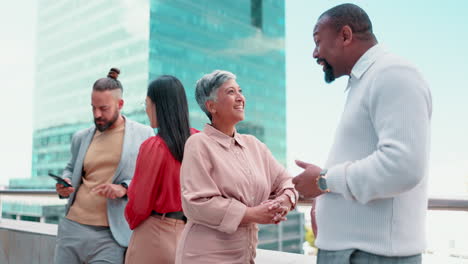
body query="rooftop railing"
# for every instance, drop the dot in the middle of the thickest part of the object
(449, 203)
(22, 241)
(446, 203)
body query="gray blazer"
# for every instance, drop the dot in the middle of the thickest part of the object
(135, 133)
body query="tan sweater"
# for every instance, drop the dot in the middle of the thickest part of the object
(100, 164)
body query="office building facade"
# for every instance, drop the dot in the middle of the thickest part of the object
(78, 41)
(191, 38)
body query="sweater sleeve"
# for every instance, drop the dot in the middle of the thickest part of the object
(201, 199)
(400, 109)
(141, 192)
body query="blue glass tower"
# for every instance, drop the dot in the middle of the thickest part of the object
(79, 41)
(191, 38)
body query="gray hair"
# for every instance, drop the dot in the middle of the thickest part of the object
(208, 86)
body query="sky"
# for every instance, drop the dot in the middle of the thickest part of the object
(430, 34)
(17, 32)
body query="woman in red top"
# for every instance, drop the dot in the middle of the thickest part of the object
(154, 210)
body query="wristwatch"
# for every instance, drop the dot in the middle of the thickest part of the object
(322, 181)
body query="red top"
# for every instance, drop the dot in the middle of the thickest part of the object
(155, 184)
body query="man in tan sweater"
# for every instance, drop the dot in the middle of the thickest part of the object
(102, 165)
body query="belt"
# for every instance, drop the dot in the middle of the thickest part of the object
(174, 215)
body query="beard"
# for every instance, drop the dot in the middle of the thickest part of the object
(328, 70)
(107, 124)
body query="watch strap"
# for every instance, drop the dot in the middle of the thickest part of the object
(322, 181)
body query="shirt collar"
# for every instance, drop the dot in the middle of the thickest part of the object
(366, 60)
(222, 138)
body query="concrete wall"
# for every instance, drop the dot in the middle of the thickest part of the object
(26, 243)
(23, 242)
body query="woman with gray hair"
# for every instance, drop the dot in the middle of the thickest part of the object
(230, 182)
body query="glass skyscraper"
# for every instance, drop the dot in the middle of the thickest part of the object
(78, 41)
(191, 38)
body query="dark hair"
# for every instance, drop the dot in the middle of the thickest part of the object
(110, 82)
(353, 16)
(168, 94)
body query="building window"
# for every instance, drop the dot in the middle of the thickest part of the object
(256, 13)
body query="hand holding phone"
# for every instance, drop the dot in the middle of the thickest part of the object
(63, 186)
(60, 180)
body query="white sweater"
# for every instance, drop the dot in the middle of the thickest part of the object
(377, 167)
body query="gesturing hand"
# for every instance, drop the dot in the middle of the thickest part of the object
(306, 182)
(109, 190)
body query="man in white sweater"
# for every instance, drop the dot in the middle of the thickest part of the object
(372, 193)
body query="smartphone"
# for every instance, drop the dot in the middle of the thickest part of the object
(60, 180)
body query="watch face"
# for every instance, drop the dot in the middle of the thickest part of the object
(322, 184)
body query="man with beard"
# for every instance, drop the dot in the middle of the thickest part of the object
(372, 192)
(100, 169)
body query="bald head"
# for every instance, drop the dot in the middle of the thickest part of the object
(342, 35)
(349, 15)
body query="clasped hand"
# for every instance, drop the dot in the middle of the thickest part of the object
(277, 208)
(268, 212)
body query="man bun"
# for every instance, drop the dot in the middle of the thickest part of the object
(113, 73)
